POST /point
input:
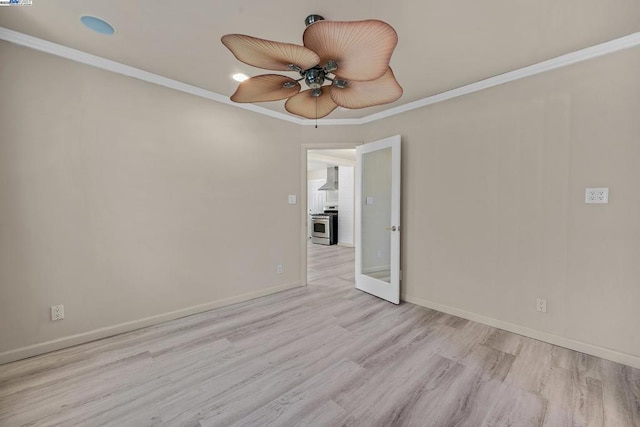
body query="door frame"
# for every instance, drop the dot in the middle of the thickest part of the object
(304, 215)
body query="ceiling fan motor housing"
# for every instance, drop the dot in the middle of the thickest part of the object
(314, 77)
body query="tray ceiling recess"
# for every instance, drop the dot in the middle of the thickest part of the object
(615, 45)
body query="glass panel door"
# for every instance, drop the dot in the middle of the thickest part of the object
(378, 218)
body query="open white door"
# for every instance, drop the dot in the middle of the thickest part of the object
(378, 218)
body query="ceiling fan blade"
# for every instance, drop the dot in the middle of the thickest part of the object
(268, 54)
(267, 87)
(362, 49)
(367, 94)
(304, 104)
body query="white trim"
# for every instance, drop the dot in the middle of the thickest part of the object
(583, 347)
(84, 337)
(136, 73)
(626, 42)
(332, 122)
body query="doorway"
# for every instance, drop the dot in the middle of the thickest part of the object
(328, 249)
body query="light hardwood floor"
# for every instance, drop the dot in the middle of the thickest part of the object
(325, 354)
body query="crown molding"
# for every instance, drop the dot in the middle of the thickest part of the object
(126, 70)
(616, 45)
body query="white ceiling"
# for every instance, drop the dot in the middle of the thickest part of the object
(443, 44)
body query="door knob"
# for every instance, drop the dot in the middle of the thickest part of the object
(392, 228)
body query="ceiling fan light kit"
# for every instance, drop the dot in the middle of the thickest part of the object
(352, 57)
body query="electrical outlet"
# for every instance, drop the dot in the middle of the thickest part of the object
(279, 268)
(541, 305)
(596, 195)
(57, 312)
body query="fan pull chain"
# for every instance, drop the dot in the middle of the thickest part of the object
(316, 112)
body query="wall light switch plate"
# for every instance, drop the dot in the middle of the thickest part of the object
(293, 199)
(369, 200)
(596, 195)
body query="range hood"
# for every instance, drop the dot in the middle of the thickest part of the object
(332, 179)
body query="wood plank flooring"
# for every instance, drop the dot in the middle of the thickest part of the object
(323, 355)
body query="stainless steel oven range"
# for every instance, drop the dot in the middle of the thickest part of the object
(324, 228)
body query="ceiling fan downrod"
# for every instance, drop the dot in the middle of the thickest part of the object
(311, 19)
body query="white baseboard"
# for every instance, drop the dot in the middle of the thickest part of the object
(594, 350)
(64, 342)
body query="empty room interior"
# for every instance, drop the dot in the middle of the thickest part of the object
(416, 213)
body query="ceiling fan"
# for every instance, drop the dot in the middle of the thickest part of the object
(351, 57)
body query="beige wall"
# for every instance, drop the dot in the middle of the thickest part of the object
(493, 199)
(123, 200)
